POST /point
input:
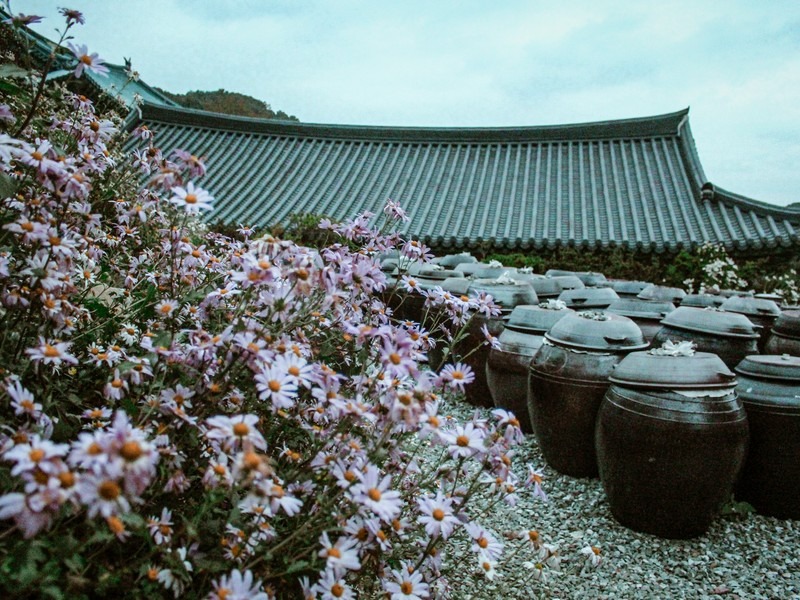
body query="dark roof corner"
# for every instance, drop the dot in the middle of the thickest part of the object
(708, 192)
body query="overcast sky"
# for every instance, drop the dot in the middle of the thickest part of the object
(735, 63)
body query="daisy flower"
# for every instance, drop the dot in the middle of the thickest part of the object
(161, 528)
(592, 556)
(341, 556)
(91, 62)
(235, 432)
(463, 442)
(457, 376)
(277, 386)
(193, 199)
(238, 586)
(483, 542)
(373, 493)
(535, 480)
(333, 587)
(406, 584)
(51, 353)
(437, 515)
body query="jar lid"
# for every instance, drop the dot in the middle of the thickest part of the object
(597, 330)
(546, 287)
(641, 309)
(438, 274)
(788, 324)
(673, 370)
(536, 318)
(456, 285)
(588, 297)
(751, 306)
(568, 282)
(451, 260)
(662, 293)
(506, 292)
(591, 279)
(770, 366)
(629, 288)
(701, 300)
(711, 320)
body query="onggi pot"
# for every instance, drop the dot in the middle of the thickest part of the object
(761, 313)
(671, 438)
(508, 294)
(769, 387)
(507, 366)
(568, 378)
(785, 335)
(730, 336)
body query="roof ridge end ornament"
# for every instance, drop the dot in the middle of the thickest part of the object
(708, 192)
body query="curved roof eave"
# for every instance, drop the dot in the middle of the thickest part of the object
(722, 195)
(660, 125)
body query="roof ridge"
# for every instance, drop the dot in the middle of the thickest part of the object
(651, 126)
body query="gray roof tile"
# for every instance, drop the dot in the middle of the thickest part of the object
(631, 182)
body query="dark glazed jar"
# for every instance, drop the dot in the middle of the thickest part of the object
(508, 294)
(671, 439)
(761, 313)
(730, 336)
(645, 313)
(785, 335)
(507, 366)
(567, 381)
(769, 387)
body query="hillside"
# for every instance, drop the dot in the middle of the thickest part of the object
(230, 103)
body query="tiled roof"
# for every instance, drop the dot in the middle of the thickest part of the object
(634, 182)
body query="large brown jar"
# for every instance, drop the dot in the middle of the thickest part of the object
(507, 366)
(785, 335)
(730, 336)
(568, 378)
(508, 294)
(761, 312)
(645, 313)
(671, 438)
(769, 387)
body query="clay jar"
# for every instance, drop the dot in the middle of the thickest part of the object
(785, 335)
(507, 366)
(671, 438)
(702, 300)
(508, 294)
(646, 314)
(567, 381)
(769, 387)
(761, 313)
(730, 336)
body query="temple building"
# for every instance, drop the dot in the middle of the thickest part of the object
(636, 183)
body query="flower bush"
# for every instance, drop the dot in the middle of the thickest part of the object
(190, 413)
(713, 271)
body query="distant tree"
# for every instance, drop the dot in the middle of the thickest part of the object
(229, 103)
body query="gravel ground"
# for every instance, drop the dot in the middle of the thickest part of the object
(742, 556)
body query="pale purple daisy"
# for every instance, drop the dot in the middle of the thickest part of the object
(193, 199)
(406, 584)
(437, 515)
(91, 62)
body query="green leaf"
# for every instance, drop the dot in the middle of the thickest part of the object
(10, 88)
(8, 186)
(300, 565)
(10, 70)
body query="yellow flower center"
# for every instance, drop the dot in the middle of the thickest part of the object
(86, 59)
(274, 385)
(337, 590)
(334, 552)
(241, 429)
(406, 587)
(395, 358)
(190, 199)
(109, 490)
(51, 351)
(374, 494)
(438, 514)
(36, 455)
(462, 441)
(130, 451)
